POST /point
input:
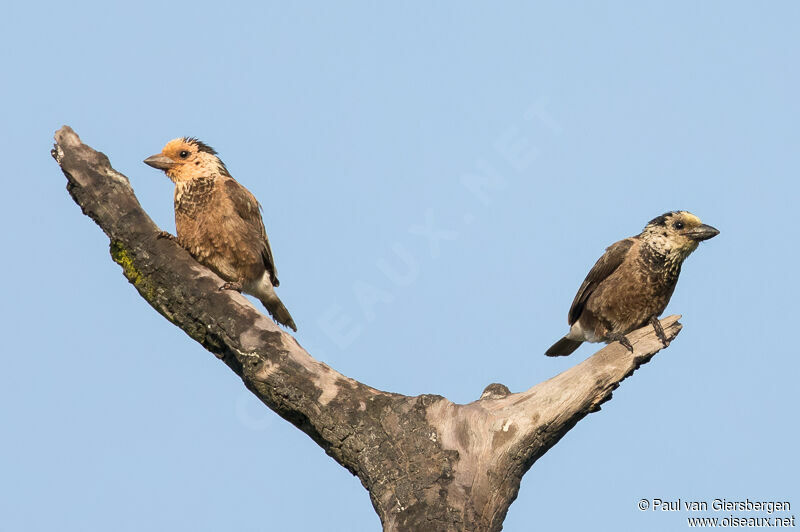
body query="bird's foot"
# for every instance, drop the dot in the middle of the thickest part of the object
(621, 338)
(165, 234)
(659, 331)
(236, 285)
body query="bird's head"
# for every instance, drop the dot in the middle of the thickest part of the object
(187, 158)
(676, 234)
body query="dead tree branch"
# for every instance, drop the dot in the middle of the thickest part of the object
(428, 464)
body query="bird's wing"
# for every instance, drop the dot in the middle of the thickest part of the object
(248, 208)
(605, 266)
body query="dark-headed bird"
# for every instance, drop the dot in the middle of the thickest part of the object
(219, 223)
(631, 284)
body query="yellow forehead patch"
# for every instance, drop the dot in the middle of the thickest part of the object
(690, 218)
(174, 145)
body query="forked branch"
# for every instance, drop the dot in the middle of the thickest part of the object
(428, 464)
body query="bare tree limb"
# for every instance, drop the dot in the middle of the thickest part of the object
(428, 464)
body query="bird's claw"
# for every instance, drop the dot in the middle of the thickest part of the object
(626, 343)
(659, 331)
(621, 338)
(231, 286)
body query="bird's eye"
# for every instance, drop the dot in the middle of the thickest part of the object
(678, 225)
(184, 154)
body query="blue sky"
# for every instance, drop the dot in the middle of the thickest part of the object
(358, 127)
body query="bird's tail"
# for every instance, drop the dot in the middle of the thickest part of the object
(278, 311)
(265, 293)
(563, 347)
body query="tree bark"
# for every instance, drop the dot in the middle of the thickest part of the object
(427, 463)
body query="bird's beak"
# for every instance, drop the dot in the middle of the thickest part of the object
(159, 161)
(704, 232)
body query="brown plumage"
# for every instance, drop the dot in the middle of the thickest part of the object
(219, 222)
(631, 284)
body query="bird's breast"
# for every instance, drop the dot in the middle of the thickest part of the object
(192, 197)
(633, 294)
(214, 233)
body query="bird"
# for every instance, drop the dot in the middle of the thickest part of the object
(632, 283)
(218, 221)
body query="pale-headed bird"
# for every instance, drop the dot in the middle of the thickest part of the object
(219, 223)
(631, 284)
